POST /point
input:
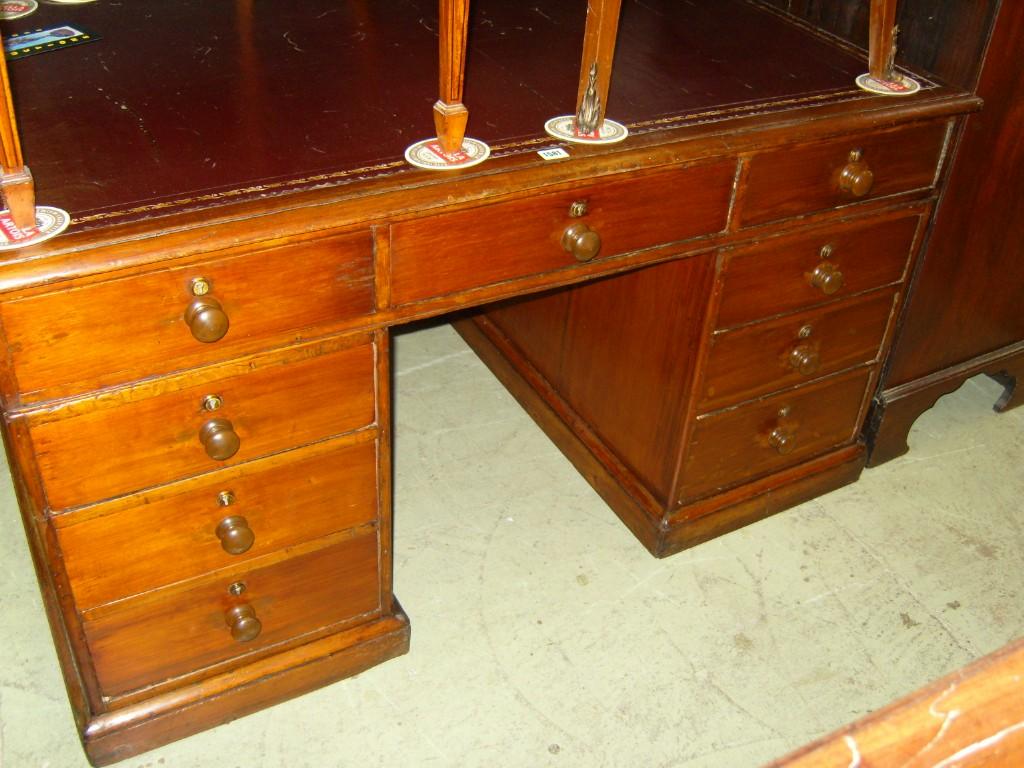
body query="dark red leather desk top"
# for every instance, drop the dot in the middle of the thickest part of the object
(185, 100)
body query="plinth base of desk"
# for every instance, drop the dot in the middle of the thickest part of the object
(125, 732)
(662, 533)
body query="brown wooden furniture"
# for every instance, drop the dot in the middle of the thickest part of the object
(973, 717)
(196, 386)
(965, 315)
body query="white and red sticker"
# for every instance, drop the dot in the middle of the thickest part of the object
(430, 155)
(50, 222)
(564, 128)
(15, 9)
(900, 86)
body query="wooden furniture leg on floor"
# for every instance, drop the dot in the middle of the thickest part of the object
(16, 181)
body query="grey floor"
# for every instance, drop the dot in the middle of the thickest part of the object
(545, 635)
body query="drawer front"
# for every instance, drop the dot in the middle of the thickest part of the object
(732, 446)
(793, 181)
(776, 354)
(189, 528)
(134, 441)
(801, 271)
(160, 636)
(68, 342)
(453, 252)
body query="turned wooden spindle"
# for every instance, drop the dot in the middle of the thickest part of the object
(881, 39)
(596, 69)
(450, 114)
(16, 180)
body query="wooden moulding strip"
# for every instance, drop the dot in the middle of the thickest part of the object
(128, 731)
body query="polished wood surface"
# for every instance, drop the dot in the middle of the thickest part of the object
(731, 446)
(450, 114)
(973, 717)
(128, 547)
(15, 179)
(794, 349)
(149, 434)
(446, 253)
(964, 317)
(793, 182)
(778, 276)
(211, 132)
(291, 598)
(213, 330)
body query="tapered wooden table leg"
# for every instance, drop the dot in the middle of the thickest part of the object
(451, 149)
(16, 181)
(450, 114)
(589, 124)
(882, 76)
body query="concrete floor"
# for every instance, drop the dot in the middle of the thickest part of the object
(545, 635)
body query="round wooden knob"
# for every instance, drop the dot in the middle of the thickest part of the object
(243, 622)
(206, 319)
(827, 278)
(219, 438)
(782, 441)
(856, 178)
(235, 534)
(581, 241)
(804, 359)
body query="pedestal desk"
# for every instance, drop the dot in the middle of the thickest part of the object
(196, 385)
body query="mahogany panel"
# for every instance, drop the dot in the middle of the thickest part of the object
(776, 277)
(966, 300)
(630, 356)
(150, 435)
(117, 550)
(537, 326)
(793, 181)
(777, 354)
(731, 446)
(66, 342)
(475, 247)
(154, 638)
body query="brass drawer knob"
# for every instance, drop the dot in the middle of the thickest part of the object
(206, 319)
(856, 178)
(245, 627)
(804, 359)
(827, 278)
(219, 438)
(235, 534)
(581, 241)
(782, 441)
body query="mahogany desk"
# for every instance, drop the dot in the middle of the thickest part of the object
(196, 385)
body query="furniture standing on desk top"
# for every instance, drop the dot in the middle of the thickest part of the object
(212, 332)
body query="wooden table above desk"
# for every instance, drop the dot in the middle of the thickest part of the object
(197, 381)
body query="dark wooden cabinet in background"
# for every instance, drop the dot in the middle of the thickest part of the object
(965, 315)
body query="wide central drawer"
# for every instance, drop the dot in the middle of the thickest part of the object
(164, 430)
(177, 532)
(453, 252)
(164, 635)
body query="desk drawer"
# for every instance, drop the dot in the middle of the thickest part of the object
(454, 252)
(68, 342)
(730, 447)
(150, 434)
(798, 180)
(164, 635)
(793, 273)
(773, 355)
(184, 530)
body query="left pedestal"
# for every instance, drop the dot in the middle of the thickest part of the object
(208, 507)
